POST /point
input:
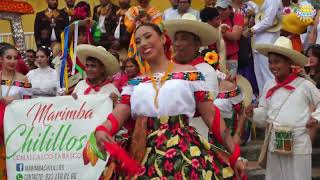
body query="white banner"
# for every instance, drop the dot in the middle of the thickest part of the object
(45, 137)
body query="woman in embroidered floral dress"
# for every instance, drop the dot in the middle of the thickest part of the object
(162, 100)
(13, 86)
(136, 15)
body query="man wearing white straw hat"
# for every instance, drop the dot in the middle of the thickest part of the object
(188, 36)
(284, 110)
(99, 65)
(266, 30)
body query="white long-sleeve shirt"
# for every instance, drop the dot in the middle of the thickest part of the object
(272, 9)
(294, 113)
(171, 14)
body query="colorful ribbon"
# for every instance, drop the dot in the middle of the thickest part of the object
(75, 44)
(65, 41)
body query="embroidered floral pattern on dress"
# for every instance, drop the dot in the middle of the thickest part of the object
(229, 94)
(16, 83)
(202, 96)
(189, 76)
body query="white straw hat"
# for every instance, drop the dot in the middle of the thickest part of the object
(284, 47)
(110, 63)
(188, 23)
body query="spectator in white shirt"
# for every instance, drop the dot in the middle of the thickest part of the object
(174, 6)
(182, 8)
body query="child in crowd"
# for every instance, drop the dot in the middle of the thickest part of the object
(284, 108)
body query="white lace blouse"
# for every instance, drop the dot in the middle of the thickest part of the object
(44, 81)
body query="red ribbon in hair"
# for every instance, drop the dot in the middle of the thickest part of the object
(284, 84)
(96, 88)
(168, 46)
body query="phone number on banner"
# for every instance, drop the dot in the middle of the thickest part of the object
(48, 176)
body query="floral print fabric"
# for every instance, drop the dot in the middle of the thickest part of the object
(176, 151)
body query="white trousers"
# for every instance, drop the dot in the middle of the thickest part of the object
(283, 167)
(261, 70)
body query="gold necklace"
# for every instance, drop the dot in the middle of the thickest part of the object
(163, 79)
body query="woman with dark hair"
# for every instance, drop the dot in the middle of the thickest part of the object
(162, 101)
(140, 14)
(44, 79)
(130, 70)
(81, 11)
(313, 70)
(13, 86)
(21, 64)
(313, 65)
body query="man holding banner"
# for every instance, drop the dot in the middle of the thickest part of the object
(99, 65)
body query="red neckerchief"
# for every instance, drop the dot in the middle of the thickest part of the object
(197, 61)
(96, 88)
(194, 62)
(284, 84)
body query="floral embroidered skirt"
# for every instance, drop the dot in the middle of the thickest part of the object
(176, 151)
